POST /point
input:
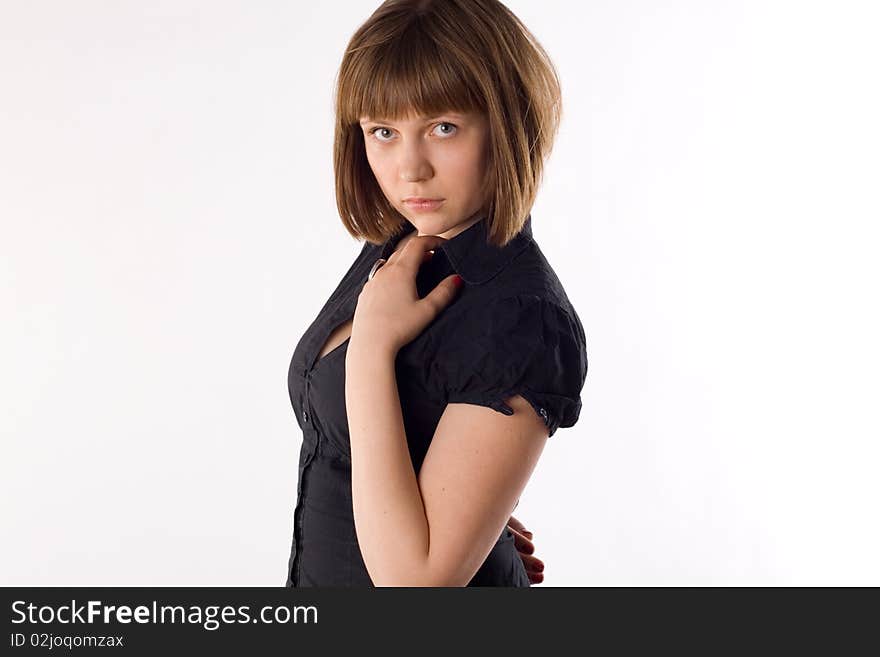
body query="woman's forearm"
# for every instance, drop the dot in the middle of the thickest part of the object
(389, 515)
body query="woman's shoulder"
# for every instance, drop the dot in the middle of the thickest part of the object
(521, 321)
(526, 295)
(531, 274)
(512, 330)
(523, 343)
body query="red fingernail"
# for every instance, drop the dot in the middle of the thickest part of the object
(459, 281)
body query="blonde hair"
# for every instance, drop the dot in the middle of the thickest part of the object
(434, 56)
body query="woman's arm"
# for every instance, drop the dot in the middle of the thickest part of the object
(389, 515)
(438, 528)
(435, 529)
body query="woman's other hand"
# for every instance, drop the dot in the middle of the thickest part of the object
(522, 538)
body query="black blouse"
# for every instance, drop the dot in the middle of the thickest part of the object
(510, 330)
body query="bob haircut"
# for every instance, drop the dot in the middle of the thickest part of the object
(429, 57)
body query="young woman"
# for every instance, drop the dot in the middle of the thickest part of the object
(429, 382)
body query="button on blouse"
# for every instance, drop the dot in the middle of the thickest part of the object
(510, 330)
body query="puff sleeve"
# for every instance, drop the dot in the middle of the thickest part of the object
(523, 345)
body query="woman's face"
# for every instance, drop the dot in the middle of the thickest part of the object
(441, 157)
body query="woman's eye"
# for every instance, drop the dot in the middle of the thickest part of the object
(452, 125)
(374, 131)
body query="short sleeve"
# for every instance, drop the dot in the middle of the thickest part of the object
(522, 345)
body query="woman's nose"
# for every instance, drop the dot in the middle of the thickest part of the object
(414, 166)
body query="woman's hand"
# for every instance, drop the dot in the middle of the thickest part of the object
(389, 312)
(522, 538)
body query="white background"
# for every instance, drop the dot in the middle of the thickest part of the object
(169, 231)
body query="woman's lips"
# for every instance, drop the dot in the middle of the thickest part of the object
(424, 206)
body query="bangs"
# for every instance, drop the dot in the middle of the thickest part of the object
(406, 76)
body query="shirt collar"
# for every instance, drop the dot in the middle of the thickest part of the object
(470, 254)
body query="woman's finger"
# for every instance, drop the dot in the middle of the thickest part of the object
(531, 563)
(522, 543)
(515, 524)
(413, 252)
